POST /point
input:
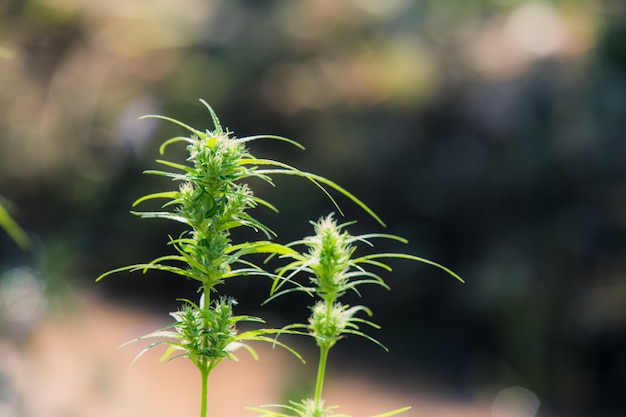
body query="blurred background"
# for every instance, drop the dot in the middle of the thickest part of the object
(490, 133)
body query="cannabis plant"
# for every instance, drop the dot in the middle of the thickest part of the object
(330, 261)
(212, 199)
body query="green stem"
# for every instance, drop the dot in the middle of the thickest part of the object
(205, 367)
(321, 373)
(206, 291)
(204, 373)
(321, 367)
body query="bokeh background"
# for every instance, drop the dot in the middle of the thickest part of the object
(490, 133)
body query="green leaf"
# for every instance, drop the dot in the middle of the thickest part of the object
(281, 138)
(365, 260)
(173, 140)
(317, 180)
(260, 247)
(264, 203)
(146, 267)
(300, 288)
(364, 238)
(161, 215)
(287, 170)
(216, 121)
(168, 353)
(413, 258)
(244, 272)
(182, 167)
(346, 193)
(393, 413)
(164, 194)
(260, 335)
(172, 175)
(365, 336)
(176, 122)
(13, 229)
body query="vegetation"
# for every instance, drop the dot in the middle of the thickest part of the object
(212, 199)
(13, 229)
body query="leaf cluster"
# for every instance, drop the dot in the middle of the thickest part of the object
(202, 334)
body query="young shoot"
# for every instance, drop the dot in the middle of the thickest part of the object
(329, 260)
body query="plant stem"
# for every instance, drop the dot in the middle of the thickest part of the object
(321, 367)
(205, 368)
(321, 373)
(204, 373)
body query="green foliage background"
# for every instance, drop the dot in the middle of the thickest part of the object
(489, 133)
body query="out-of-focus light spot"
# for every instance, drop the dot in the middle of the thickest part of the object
(505, 47)
(6, 53)
(515, 402)
(537, 28)
(603, 308)
(22, 297)
(489, 51)
(130, 28)
(290, 88)
(400, 73)
(131, 37)
(382, 8)
(130, 131)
